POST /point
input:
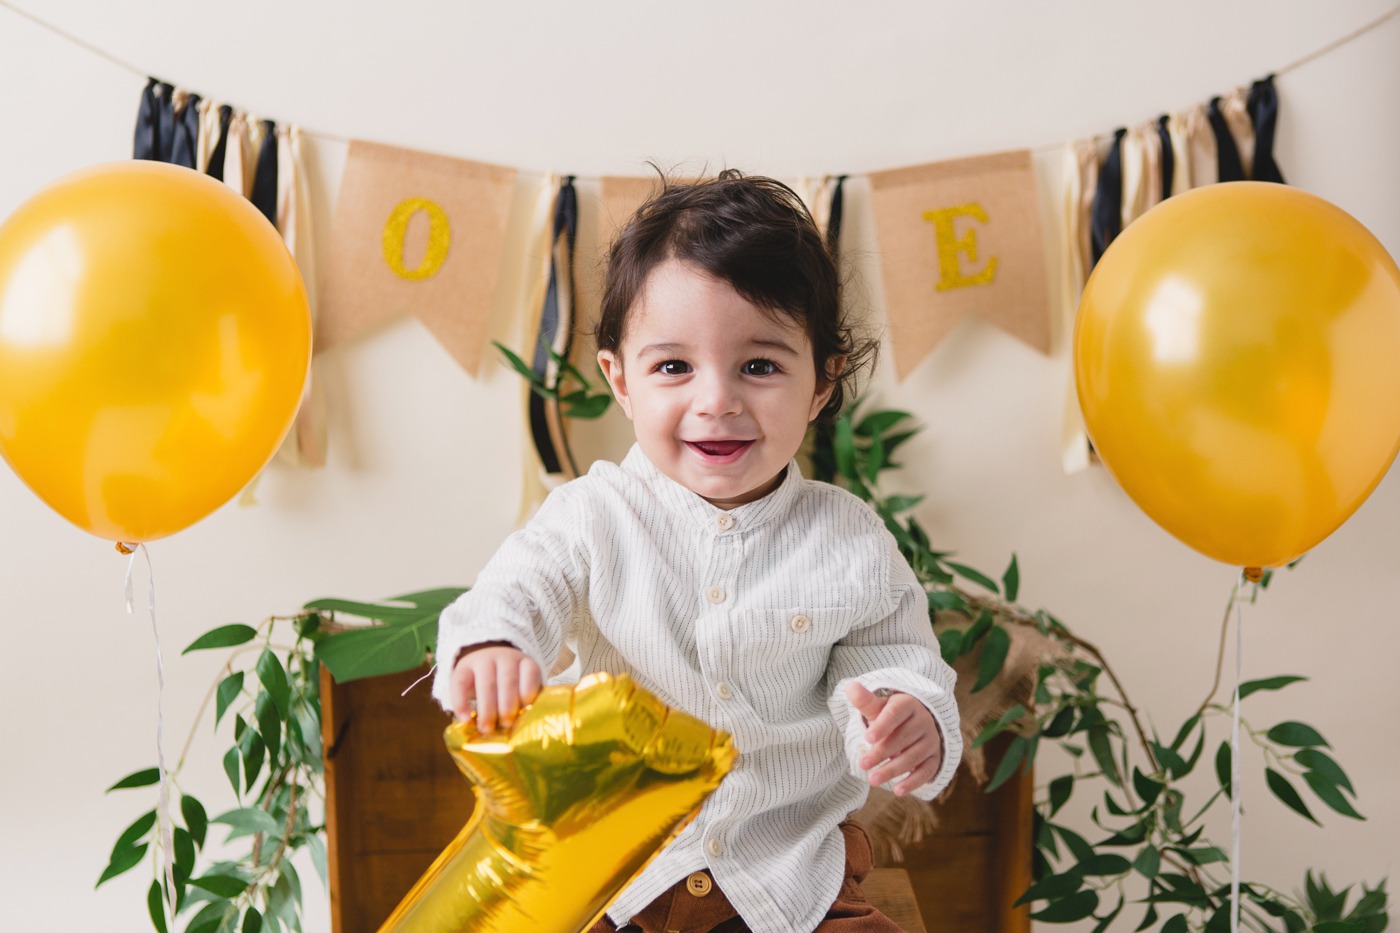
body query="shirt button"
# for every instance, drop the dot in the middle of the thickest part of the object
(724, 692)
(714, 847)
(698, 884)
(725, 521)
(800, 623)
(715, 594)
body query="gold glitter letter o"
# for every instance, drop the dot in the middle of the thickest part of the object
(439, 238)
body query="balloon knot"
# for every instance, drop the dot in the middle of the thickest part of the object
(124, 548)
(1254, 574)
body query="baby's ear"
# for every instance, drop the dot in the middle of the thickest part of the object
(826, 385)
(611, 365)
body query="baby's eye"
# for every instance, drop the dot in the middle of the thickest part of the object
(759, 368)
(673, 367)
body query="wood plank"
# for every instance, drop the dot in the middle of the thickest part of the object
(890, 890)
(394, 798)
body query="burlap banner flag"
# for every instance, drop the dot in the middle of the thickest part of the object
(956, 238)
(618, 199)
(417, 234)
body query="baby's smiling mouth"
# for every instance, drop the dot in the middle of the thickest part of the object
(718, 448)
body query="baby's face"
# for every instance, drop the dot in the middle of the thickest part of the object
(719, 391)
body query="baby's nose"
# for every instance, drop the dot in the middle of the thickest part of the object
(717, 395)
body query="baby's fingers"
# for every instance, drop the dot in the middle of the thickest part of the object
(919, 776)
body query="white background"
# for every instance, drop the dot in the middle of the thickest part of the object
(424, 473)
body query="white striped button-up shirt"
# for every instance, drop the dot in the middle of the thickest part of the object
(753, 620)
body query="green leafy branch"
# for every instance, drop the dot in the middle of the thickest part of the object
(274, 767)
(268, 695)
(1150, 835)
(571, 390)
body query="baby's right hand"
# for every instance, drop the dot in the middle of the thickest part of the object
(499, 676)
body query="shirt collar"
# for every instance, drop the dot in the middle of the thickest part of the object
(681, 500)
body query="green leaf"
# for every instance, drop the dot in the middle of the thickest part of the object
(1148, 862)
(254, 751)
(1205, 855)
(1173, 762)
(269, 725)
(1077, 844)
(1223, 768)
(184, 850)
(1015, 752)
(1325, 766)
(589, 408)
(874, 460)
(1268, 683)
(274, 681)
(135, 832)
(229, 689)
(1108, 919)
(843, 445)
(399, 645)
(950, 644)
(897, 504)
(248, 821)
(144, 778)
(1075, 907)
(1147, 788)
(252, 921)
(225, 636)
(1060, 724)
(1176, 924)
(976, 576)
(195, 818)
(214, 917)
(317, 844)
(122, 860)
(1060, 789)
(1185, 731)
(1103, 753)
(1296, 734)
(1052, 887)
(1328, 793)
(1105, 865)
(228, 886)
(978, 628)
(1003, 721)
(994, 649)
(878, 423)
(231, 769)
(1285, 792)
(515, 362)
(155, 906)
(940, 600)
(1011, 580)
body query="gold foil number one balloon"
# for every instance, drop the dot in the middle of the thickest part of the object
(572, 802)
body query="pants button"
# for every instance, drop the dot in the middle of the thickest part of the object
(699, 884)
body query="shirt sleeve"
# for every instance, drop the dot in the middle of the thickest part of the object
(896, 650)
(525, 595)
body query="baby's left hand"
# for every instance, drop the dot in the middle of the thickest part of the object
(903, 737)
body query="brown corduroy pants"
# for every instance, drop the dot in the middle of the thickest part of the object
(697, 905)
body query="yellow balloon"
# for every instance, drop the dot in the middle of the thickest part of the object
(572, 802)
(154, 344)
(1236, 361)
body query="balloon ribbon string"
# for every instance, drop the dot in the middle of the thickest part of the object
(164, 823)
(1235, 767)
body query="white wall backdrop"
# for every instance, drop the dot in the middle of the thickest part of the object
(423, 479)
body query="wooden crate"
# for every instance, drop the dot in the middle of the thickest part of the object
(394, 800)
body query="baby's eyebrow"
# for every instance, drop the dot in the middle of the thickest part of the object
(774, 344)
(667, 348)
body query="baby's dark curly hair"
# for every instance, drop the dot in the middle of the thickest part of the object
(756, 234)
